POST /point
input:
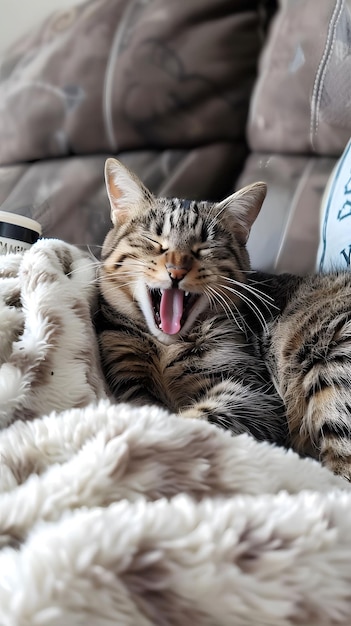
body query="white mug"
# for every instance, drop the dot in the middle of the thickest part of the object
(17, 233)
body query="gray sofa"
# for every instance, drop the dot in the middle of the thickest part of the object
(113, 514)
(198, 98)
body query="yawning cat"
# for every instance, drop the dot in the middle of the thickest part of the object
(178, 323)
(171, 328)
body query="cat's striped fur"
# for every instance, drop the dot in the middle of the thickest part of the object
(308, 351)
(205, 362)
(183, 348)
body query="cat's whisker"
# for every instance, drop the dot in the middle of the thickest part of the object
(222, 302)
(80, 269)
(227, 307)
(267, 305)
(237, 315)
(90, 262)
(210, 298)
(266, 299)
(135, 260)
(91, 253)
(133, 273)
(129, 272)
(254, 308)
(113, 288)
(211, 295)
(257, 292)
(86, 247)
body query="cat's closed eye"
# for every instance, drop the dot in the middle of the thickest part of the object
(159, 248)
(199, 252)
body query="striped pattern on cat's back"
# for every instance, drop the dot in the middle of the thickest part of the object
(309, 354)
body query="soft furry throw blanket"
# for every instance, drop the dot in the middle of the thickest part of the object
(116, 515)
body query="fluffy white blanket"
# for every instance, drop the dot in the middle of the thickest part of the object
(116, 515)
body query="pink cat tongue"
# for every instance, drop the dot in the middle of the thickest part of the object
(171, 310)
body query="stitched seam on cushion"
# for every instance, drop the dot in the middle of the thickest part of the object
(322, 68)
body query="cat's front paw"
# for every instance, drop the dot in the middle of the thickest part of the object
(336, 456)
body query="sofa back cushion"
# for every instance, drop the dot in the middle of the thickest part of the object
(301, 102)
(110, 76)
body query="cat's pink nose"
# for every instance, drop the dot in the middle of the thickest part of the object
(178, 264)
(176, 273)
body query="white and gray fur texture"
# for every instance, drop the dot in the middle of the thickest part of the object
(49, 357)
(113, 514)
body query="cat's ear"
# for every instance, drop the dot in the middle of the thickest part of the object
(126, 193)
(244, 205)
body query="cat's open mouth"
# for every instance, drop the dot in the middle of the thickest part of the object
(171, 308)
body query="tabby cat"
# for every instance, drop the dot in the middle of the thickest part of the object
(307, 348)
(183, 322)
(172, 280)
